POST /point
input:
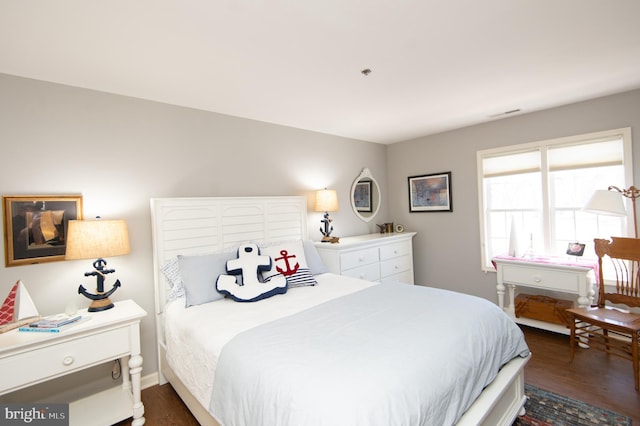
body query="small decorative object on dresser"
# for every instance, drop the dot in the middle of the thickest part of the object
(375, 257)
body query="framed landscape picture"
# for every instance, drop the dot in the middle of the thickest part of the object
(430, 193)
(35, 226)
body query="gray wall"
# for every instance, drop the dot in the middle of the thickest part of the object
(447, 247)
(118, 152)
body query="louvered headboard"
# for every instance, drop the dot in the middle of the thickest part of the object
(215, 224)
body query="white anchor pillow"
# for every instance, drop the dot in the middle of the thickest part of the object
(288, 260)
(249, 263)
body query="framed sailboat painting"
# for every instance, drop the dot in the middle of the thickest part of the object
(35, 226)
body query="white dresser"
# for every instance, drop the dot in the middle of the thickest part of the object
(373, 257)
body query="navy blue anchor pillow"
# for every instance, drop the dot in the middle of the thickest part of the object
(288, 260)
(250, 263)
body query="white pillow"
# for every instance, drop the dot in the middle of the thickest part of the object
(316, 265)
(171, 270)
(248, 264)
(288, 259)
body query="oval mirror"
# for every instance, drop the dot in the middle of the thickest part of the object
(365, 196)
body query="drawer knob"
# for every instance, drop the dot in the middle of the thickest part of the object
(537, 279)
(360, 259)
(68, 360)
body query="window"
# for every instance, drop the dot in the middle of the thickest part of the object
(531, 195)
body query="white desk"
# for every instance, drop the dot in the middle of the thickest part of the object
(29, 358)
(548, 274)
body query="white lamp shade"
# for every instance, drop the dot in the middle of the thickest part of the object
(91, 239)
(327, 200)
(604, 202)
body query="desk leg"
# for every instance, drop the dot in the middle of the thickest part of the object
(586, 291)
(511, 310)
(584, 299)
(500, 289)
(135, 369)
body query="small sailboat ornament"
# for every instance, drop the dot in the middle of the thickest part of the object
(18, 308)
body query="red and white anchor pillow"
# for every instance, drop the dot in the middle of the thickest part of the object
(288, 259)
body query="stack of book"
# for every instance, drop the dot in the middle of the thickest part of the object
(52, 324)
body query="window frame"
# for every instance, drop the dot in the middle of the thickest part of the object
(542, 146)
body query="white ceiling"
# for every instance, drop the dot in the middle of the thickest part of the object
(436, 64)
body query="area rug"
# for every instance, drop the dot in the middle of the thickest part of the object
(546, 408)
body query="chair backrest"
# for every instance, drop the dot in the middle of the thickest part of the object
(623, 255)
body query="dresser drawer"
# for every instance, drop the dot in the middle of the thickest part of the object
(395, 266)
(367, 272)
(405, 277)
(61, 358)
(394, 250)
(541, 278)
(358, 258)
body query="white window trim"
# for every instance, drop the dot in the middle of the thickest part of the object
(624, 132)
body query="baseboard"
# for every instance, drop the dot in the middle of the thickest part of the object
(149, 380)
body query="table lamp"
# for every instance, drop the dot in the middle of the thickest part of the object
(326, 201)
(88, 239)
(609, 202)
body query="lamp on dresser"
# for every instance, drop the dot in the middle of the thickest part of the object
(89, 239)
(609, 202)
(326, 201)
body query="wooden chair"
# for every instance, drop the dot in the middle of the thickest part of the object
(607, 328)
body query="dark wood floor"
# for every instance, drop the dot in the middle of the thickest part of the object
(592, 377)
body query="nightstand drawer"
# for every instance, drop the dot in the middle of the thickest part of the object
(395, 266)
(541, 278)
(49, 361)
(358, 258)
(394, 250)
(367, 272)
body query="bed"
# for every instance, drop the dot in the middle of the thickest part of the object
(341, 351)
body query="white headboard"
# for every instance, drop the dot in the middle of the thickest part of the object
(215, 224)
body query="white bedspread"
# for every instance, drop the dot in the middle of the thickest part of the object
(389, 354)
(196, 335)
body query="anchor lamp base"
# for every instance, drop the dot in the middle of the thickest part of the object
(100, 300)
(100, 305)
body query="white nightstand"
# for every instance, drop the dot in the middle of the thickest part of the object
(373, 257)
(29, 358)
